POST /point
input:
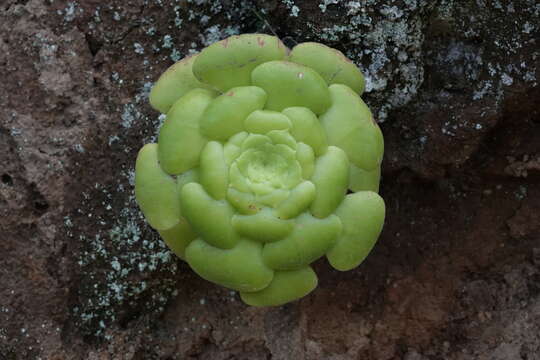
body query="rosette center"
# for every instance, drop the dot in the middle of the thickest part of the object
(267, 166)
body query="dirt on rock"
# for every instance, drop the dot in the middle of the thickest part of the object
(455, 274)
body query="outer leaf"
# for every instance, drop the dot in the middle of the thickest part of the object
(263, 226)
(362, 180)
(240, 268)
(174, 83)
(226, 114)
(362, 216)
(186, 178)
(180, 141)
(210, 219)
(155, 191)
(331, 64)
(178, 237)
(306, 128)
(350, 126)
(229, 63)
(299, 199)
(310, 239)
(288, 84)
(286, 286)
(213, 171)
(331, 179)
(263, 121)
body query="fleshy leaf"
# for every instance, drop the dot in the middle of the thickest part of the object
(310, 239)
(238, 180)
(214, 173)
(263, 226)
(286, 286)
(244, 202)
(232, 149)
(288, 84)
(228, 63)
(255, 141)
(282, 137)
(226, 114)
(238, 139)
(299, 199)
(283, 150)
(349, 125)
(362, 215)
(331, 64)
(155, 190)
(186, 178)
(240, 268)
(331, 178)
(210, 219)
(306, 128)
(274, 198)
(294, 175)
(263, 121)
(174, 83)
(180, 141)
(260, 188)
(178, 237)
(362, 180)
(306, 159)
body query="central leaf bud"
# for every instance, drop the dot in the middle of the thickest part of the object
(266, 168)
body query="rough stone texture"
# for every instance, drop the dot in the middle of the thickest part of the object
(455, 275)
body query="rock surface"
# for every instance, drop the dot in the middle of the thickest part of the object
(455, 275)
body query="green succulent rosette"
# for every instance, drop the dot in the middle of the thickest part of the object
(268, 159)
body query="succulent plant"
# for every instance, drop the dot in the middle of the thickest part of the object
(249, 179)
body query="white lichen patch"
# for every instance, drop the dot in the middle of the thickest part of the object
(118, 262)
(504, 59)
(129, 115)
(124, 264)
(175, 55)
(70, 11)
(295, 10)
(139, 49)
(324, 4)
(507, 79)
(167, 41)
(385, 39)
(79, 148)
(485, 87)
(216, 32)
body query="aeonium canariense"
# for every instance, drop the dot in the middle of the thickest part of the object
(249, 179)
